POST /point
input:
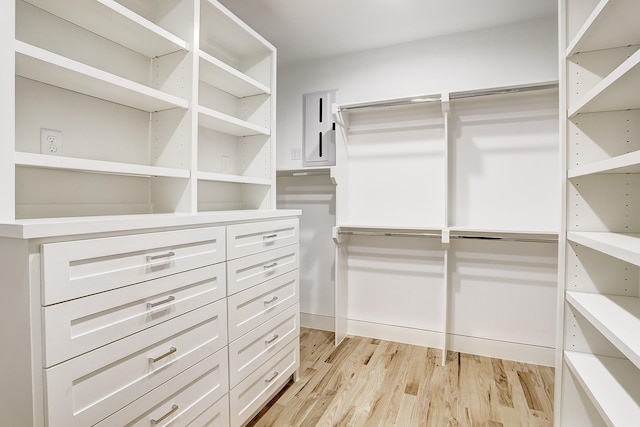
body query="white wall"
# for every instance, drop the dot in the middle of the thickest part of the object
(510, 55)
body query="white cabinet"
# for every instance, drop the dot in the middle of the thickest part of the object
(133, 326)
(598, 368)
(163, 107)
(447, 220)
(263, 307)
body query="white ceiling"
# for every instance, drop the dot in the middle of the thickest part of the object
(305, 29)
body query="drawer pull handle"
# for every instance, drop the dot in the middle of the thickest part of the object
(273, 299)
(174, 408)
(162, 356)
(275, 337)
(273, 377)
(273, 264)
(155, 257)
(164, 301)
(270, 236)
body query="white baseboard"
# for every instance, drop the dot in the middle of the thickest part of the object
(317, 321)
(518, 352)
(480, 346)
(395, 333)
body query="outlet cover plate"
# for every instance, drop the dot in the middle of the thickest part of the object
(51, 142)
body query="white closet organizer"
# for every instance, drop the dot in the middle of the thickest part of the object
(598, 360)
(118, 248)
(460, 179)
(236, 109)
(194, 320)
(154, 118)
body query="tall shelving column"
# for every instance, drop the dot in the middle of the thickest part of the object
(598, 372)
(236, 92)
(7, 113)
(162, 108)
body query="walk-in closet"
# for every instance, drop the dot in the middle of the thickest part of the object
(356, 213)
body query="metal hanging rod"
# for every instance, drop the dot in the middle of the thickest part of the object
(453, 236)
(388, 233)
(452, 96)
(506, 238)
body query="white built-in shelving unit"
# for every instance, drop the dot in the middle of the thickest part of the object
(164, 107)
(431, 188)
(598, 360)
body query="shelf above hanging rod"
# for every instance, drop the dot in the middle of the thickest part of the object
(502, 90)
(453, 235)
(388, 234)
(304, 172)
(414, 100)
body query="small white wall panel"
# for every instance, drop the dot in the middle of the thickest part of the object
(315, 195)
(397, 166)
(504, 291)
(504, 171)
(396, 281)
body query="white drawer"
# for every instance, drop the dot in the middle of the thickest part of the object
(78, 326)
(88, 388)
(254, 237)
(256, 390)
(83, 267)
(242, 273)
(249, 309)
(250, 351)
(199, 393)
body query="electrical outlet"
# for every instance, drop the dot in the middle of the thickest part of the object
(225, 164)
(51, 142)
(296, 153)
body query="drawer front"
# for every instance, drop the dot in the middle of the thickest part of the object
(251, 308)
(88, 388)
(84, 267)
(256, 390)
(242, 273)
(81, 325)
(200, 392)
(251, 238)
(253, 349)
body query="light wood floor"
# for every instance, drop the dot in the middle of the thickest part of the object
(369, 382)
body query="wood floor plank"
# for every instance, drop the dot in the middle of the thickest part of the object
(368, 382)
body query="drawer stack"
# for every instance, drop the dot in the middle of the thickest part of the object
(135, 329)
(193, 327)
(263, 312)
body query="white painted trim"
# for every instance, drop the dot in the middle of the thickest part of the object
(518, 352)
(317, 321)
(395, 333)
(527, 353)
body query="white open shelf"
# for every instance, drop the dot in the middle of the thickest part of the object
(47, 67)
(617, 91)
(226, 33)
(504, 232)
(215, 120)
(625, 246)
(221, 177)
(308, 171)
(613, 385)
(389, 228)
(218, 74)
(626, 163)
(616, 317)
(95, 166)
(613, 23)
(115, 22)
